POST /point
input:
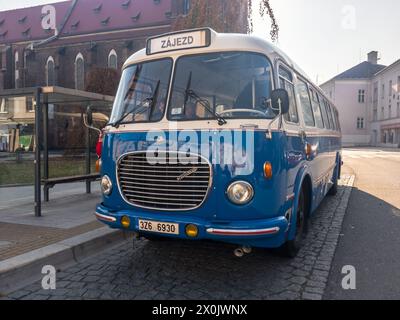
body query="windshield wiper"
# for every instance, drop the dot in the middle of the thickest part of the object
(189, 93)
(151, 101)
(117, 123)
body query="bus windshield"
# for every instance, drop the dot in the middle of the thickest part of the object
(142, 93)
(229, 85)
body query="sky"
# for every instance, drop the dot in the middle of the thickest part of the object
(324, 37)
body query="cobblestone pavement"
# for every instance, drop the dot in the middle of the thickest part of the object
(175, 270)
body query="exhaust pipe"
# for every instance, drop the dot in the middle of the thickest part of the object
(240, 252)
(247, 250)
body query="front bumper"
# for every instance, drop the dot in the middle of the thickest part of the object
(266, 233)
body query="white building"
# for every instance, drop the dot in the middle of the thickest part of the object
(368, 99)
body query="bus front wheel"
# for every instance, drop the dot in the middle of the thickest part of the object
(292, 247)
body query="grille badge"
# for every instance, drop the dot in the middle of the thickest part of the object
(187, 174)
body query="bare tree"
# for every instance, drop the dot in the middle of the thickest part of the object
(265, 10)
(226, 16)
(103, 81)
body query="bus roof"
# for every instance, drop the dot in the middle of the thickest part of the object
(220, 42)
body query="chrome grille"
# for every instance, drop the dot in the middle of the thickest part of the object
(164, 182)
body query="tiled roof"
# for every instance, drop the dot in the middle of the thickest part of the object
(87, 16)
(364, 70)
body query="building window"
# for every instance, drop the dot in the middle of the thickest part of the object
(4, 105)
(360, 123)
(79, 72)
(50, 72)
(390, 88)
(29, 104)
(398, 109)
(361, 96)
(375, 116)
(16, 69)
(384, 135)
(391, 137)
(398, 85)
(383, 91)
(383, 113)
(186, 7)
(113, 60)
(390, 112)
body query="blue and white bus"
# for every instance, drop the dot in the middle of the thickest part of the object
(217, 137)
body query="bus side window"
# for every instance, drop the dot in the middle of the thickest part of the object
(306, 104)
(338, 121)
(328, 112)
(286, 82)
(332, 117)
(317, 111)
(323, 111)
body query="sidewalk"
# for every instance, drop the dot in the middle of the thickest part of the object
(68, 223)
(375, 149)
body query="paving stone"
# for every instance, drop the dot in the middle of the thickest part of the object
(314, 290)
(298, 280)
(311, 296)
(19, 294)
(176, 270)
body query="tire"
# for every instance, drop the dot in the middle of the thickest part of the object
(292, 247)
(334, 189)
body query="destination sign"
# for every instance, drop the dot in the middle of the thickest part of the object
(179, 41)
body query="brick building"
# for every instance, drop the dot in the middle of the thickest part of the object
(58, 44)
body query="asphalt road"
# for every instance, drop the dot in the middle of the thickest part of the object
(370, 238)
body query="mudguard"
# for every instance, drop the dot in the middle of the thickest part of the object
(302, 174)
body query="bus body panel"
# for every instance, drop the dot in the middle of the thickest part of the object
(272, 197)
(269, 219)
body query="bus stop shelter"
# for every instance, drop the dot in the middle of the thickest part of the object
(42, 98)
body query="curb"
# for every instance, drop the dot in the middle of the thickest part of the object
(316, 290)
(22, 270)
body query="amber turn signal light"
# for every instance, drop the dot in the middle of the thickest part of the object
(126, 222)
(268, 170)
(98, 165)
(308, 150)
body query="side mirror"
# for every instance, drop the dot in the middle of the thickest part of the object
(88, 120)
(280, 101)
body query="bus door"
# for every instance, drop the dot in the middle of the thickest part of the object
(312, 122)
(294, 150)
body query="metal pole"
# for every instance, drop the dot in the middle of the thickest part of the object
(46, 148)
(38, 196)
(88, 155)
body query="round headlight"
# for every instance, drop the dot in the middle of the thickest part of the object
(240, 192)
(106, 185)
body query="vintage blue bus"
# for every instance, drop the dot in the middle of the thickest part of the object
(217, 137)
